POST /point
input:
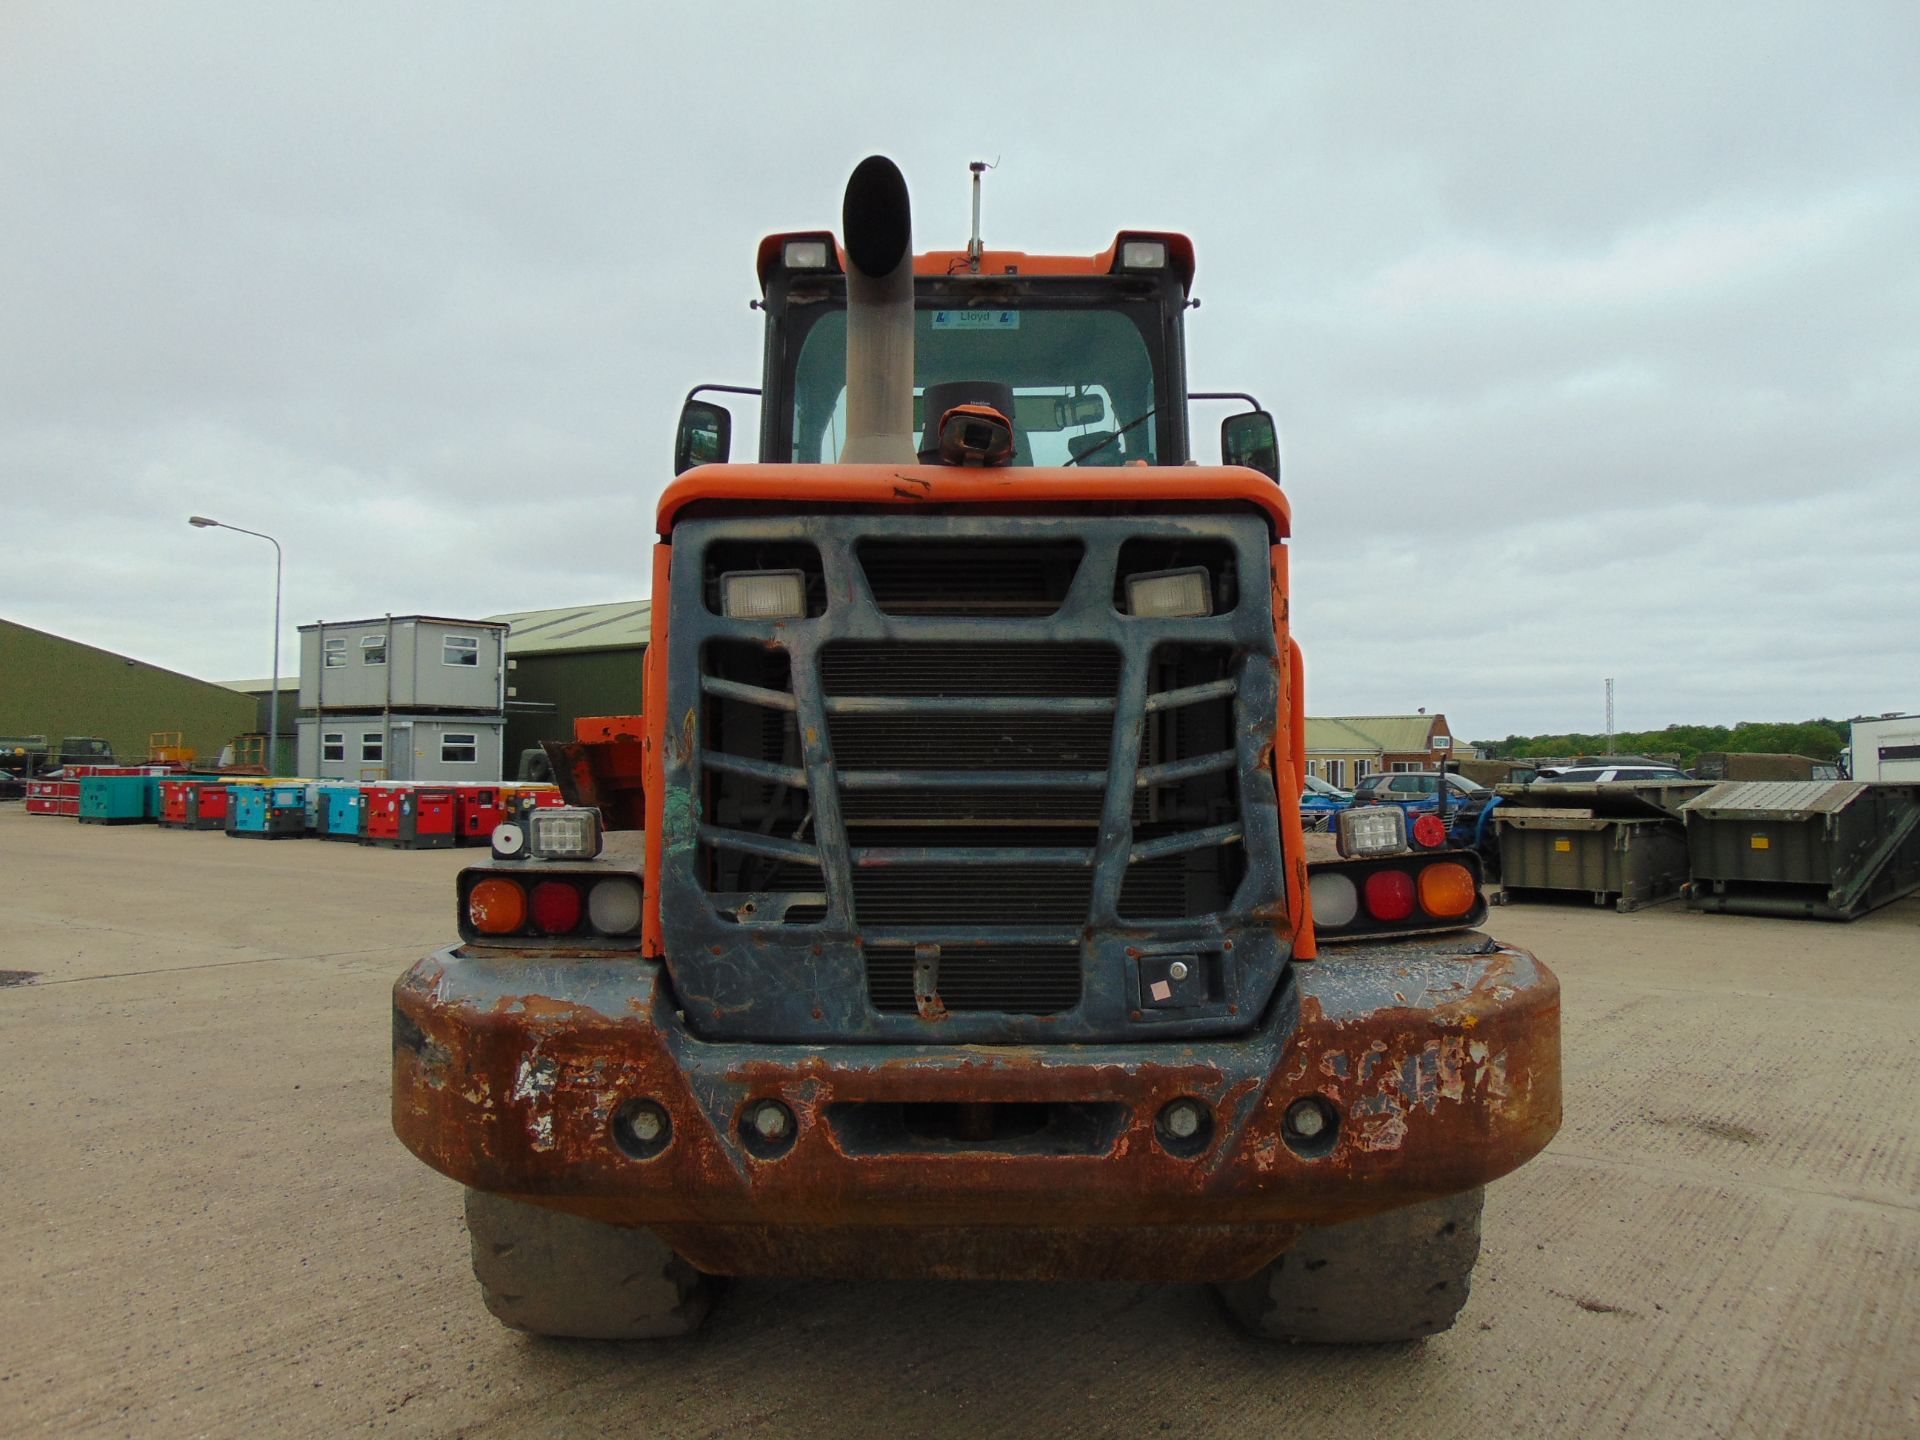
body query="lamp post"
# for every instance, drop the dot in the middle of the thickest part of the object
(273, 696)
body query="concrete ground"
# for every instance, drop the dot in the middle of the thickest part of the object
(210, 1230)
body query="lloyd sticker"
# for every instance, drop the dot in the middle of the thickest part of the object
(1761, 842)
(976, 319)
(1564, 847)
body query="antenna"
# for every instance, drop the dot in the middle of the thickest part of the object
(1609, 715)
(974, 247)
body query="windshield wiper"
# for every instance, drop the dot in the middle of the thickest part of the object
(1133, 424)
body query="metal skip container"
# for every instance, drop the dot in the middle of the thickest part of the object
(1621, 841)
(1822, 849)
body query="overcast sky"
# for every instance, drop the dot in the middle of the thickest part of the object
(1594, 341)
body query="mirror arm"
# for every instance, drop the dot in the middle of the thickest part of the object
(1252, 404)
(720, 390)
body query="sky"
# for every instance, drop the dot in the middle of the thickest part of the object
(1593, 332)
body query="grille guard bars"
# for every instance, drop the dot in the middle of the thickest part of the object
(1439, 1061)
(771, 981)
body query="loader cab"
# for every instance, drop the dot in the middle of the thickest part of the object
(1085, 355)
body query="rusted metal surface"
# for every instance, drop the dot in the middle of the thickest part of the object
(1441, 1060)
(604, 766)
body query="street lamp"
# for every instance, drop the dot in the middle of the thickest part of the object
(201, 522)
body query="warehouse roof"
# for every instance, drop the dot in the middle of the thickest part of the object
(619, 625)
(1389, 734)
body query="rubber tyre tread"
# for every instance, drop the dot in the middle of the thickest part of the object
(551, 1273)
(1398, 1276)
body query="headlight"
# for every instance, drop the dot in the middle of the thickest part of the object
(563, 832)
(763, 595)
(1372, 830)
(1171, 594)
(1143, 255)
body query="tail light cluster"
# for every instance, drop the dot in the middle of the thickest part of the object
(544, 904)
(1401, 895)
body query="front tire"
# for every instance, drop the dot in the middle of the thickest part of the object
(551, 1273)
(1398, 1276)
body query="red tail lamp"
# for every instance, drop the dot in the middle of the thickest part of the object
(497, 907)
(1429, 833)
(556, 907)
(1389, 894)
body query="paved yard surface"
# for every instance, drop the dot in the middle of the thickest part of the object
(210, 1230)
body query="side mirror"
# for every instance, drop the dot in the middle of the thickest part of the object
(704, 437)
(1250, 439)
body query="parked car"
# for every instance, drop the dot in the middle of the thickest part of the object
(1320, 802)
(1402, 787)
(1601, 774)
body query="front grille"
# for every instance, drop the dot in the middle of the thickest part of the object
(1015, 979)
(971, 742)
(888, 667)
(926, 808)
(932, 896)
(1008, 578)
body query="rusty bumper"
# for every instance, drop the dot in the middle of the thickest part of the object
(1439, 1062)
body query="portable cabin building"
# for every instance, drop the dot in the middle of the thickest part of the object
(372, 748)
(403, 662)
(1886, 748)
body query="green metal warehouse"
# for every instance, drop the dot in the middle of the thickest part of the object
(53, 686)
(573, 661)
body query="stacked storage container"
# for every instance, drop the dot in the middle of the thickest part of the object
(53, 797)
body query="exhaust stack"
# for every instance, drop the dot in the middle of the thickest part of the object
(878, 229)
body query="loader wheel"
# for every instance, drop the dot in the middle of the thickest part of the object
(551, 1273)
(1397, 1276)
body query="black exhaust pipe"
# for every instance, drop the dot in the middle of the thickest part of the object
(876, 222)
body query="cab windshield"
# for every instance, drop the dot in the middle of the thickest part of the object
(1082, 379)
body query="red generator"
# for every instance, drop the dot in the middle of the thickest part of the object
(478, 809)
(179, 802)
(410, 817)
(210, 803)
(54, 797)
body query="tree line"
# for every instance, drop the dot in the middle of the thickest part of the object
(1820, 739)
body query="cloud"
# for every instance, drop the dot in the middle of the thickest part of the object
(1593, 335)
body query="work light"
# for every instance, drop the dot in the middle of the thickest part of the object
(1372, 830)
(563, 832)
(806, 255)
